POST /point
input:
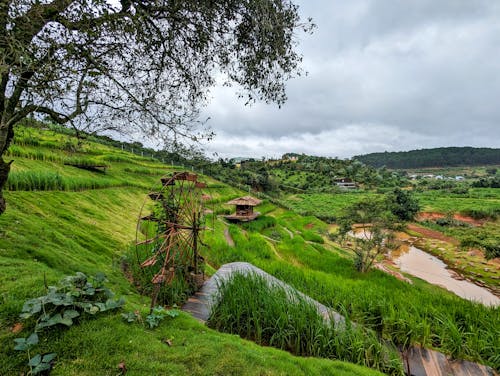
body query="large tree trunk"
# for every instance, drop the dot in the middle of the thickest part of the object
(6, 135)
(4, 174)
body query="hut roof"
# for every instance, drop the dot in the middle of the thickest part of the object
(246, 200)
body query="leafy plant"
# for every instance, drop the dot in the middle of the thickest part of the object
(37, 363)
(153, 319)
(77, 294)
(158, 314)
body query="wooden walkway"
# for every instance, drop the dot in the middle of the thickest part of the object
(417, 361)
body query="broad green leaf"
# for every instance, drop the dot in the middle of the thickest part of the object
(32, 339)
(173, 313)
(32, 306)
(70, 314)
(47, 358)
(36, 360)
(21, 344)
(40, 368)
(101, 306)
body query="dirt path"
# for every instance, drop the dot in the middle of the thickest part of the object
(433, 234)
(271, 242)
(227, 235)
(289, 232)
(229, 239)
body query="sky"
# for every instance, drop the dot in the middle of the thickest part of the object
(383, 75)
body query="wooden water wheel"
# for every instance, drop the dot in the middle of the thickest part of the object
(168, 233)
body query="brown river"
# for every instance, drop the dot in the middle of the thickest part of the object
(414, 261)
(418, 263)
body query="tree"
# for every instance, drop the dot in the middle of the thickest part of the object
(139, 65)
(366, 227)
(403, 204)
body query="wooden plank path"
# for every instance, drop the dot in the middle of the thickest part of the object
(417, 361)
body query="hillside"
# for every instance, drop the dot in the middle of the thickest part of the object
(437, 157)
(62, 219)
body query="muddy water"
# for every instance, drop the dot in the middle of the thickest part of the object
(414, 261)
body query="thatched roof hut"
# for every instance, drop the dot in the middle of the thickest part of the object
(244, 209)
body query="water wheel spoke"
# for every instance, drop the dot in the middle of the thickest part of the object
(168, 231)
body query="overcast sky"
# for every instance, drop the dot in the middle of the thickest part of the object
(384, 75)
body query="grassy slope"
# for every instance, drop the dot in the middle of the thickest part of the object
(52, 234)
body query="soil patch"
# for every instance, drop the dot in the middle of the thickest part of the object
(428, 233)
(435, 215)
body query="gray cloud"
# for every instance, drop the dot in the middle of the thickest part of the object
(383, 75)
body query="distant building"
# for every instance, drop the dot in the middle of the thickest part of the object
(346, 183)
(244, 209)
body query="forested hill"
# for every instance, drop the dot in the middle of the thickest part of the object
(438, 157)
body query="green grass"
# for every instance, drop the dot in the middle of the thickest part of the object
(486, 200)
(326, 206)
(272, 316)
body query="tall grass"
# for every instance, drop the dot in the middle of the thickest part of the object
(260, 223)
(52, 181)
(84, 162)
(145, 171)
(118, 158)
(34, 154)
(404, 314)
(272, 316)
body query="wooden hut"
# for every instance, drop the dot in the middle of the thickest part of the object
(244, 209)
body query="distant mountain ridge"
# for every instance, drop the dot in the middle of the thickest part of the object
(436, 157)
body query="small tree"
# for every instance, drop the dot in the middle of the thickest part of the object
(403, 204)
(366, 228)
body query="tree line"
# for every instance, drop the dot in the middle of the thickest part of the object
(437, 157)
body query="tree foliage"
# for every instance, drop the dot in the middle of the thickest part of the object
(403, 204)
(139, 65)
(437, 157)
(366, 227)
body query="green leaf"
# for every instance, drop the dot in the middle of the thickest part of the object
(32, 339)
(173, 313)
(93, 310)
(21, 344)
(32, 306)
(113, 304)
(101, 306)
(36, 360)
(47, 358)
(70, 314)
(54, 320)
(40, 368)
